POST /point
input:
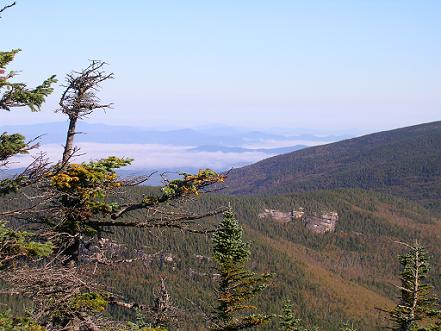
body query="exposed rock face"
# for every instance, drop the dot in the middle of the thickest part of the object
(322, 223)
(281, 216)
(202, 258)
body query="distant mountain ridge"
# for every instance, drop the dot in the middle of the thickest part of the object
(228, 149)
(404, 162)
(216, 147)
(118, 134)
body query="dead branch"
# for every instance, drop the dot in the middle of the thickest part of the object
(80, 99)
(5, 7)
(180, 222)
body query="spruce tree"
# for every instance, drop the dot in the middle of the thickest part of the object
(238, 285)
(417, 303)
(289, 322)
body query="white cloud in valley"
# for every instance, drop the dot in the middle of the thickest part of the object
(149, 156)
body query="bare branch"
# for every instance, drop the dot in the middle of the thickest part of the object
(7, 7)
(80, 99)
(164, 221)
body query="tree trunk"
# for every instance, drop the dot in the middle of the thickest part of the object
(73, 252)
(68, 147)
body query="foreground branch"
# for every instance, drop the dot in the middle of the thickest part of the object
(163, 222)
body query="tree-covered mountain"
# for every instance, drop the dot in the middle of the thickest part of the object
(405, 162)
(330, 278)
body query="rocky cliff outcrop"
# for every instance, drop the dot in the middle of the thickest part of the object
(282, 216)
(318, 222)
(323, 223)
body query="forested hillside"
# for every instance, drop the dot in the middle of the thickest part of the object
(404, 162)
(331, 278)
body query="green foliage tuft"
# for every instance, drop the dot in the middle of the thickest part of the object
(190, 184)
(85, 186)
(11, 185)
(11, 323)
(11, 144)
(15, 244)
(89, 301)
(7, 57)
(18, 94)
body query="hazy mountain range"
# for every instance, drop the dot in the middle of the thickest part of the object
(219, 147)
(217, 136)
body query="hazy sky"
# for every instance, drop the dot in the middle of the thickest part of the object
(351, 64)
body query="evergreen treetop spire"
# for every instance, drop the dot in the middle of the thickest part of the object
(228, 244)
(238, 285)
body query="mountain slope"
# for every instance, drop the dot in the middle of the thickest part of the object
(404, 162)
(330, 278)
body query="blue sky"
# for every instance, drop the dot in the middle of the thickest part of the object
(364, 65)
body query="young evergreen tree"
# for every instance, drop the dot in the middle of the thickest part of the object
(289, 322)
(418, 306)
(348, 327)
(238, 285)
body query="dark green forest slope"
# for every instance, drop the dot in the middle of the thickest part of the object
(330, 278)
(405, 162)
